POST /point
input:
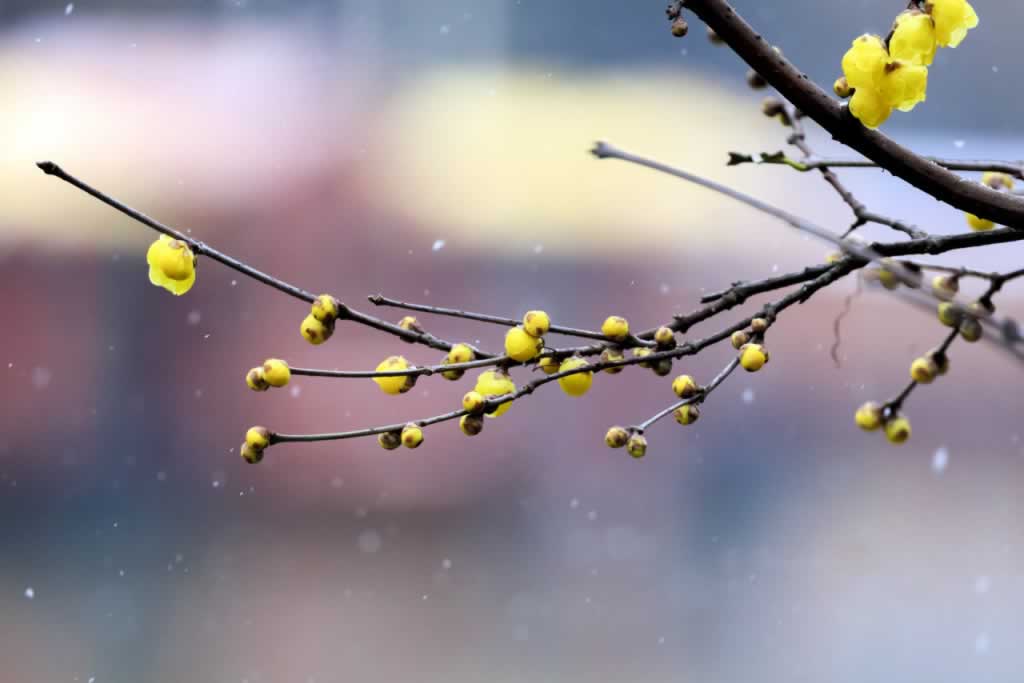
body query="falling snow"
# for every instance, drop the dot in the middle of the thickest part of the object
(940, 460)
(438, 245)
(30, 593)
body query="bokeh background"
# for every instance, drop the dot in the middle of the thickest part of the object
(437, 152)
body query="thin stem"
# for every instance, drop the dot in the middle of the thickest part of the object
(408, 372)
(698, 398)
(893, 406)
(369, 431)
(811, 162)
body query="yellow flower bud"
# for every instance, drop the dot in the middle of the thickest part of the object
(887, 278)
(897, 429)
(997, 180)
(662, 367)
(459, 353)
(923, 370)
(869, 416)
(536, 323)
(276, 372)
(471, 425)
(255, 380)
(412, 435)
(687, 414)
(613, 355)
(685, 386)
(615, 328)
(642, 352)
(982, 308)
(410, 324)
(665, 338)
(636, 446)
(950, 314)
(759, 325)
(257, 438)
(616, 437)
(389, 441)
(680, 28)
(315, 331)
(842, 88)
(250, 454)
(953, 18)
(979, 224)
(473, 401)
(945, 287)
(521, 346)
(576, 384)
(753, 357)
(325, 308)
(970, 329)
(739, 338)
(395, 384)
(548, 364)
(495, 383)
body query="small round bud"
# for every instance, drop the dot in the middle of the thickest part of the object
(521, 346)
(842, 88)
(950, 314)
(257, 437)
(471, 425)
(887, 279)
(680, 28)
(941, 361)
(772, 107)
(643, 352)
(636, 446)
(739, 338)
(753, 357)
(924, 370)
(389, 441)
(756, 80)
(255, 380)
(250, 454)
(685, 386)
(945, 287)
(548, 364)
(459, 353)
(997, 180)
(325, 308)
(759, 325)
(869, 416)
(576, 384)
(714, 38)
(616, 437)
(662, 367)
(970, 329)
(979, 224)
(410, 324)
(665, 338)
(412, 435)
(613, 355)
(686, 415)
(536, 323)
(615, 328)
(982, 308)
(495, 383)
(276, 372)
(473, 401)
(314, 331)
(897, 429)
(394, 384)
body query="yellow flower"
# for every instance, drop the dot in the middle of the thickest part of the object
(997, 180)
(536, 323)
(686, 415)
(637, 446)
(459, 353)
(897, 429)
(904, 85)
(970, 329)
(521, 346)
(913, 38)
(471, 425)
(396, 384)
(869, 416)
(870, 107)
(923, 370)
(325, 308)
(276, 372)
(495, 383)
(172, 265)
(576, 384)
(548, 364)
(945, 287)
(864, 63)
(753, 357)
(613, 355)
(979, 224)
(249, 454)
(473, 401)
(615, 328)
(255, 380)
(953, 18)
(950, 314)
(257, 437)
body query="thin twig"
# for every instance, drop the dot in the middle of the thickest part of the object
(698, 398)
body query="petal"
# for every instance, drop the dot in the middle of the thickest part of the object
(179, 287)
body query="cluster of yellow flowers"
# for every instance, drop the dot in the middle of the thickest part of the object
(273, 373)
(1000, 182)
(753, 355)
(871, 416)
(885, 74)
(172, 265)
(318, 326)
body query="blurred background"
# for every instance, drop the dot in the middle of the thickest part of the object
(437, 152)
